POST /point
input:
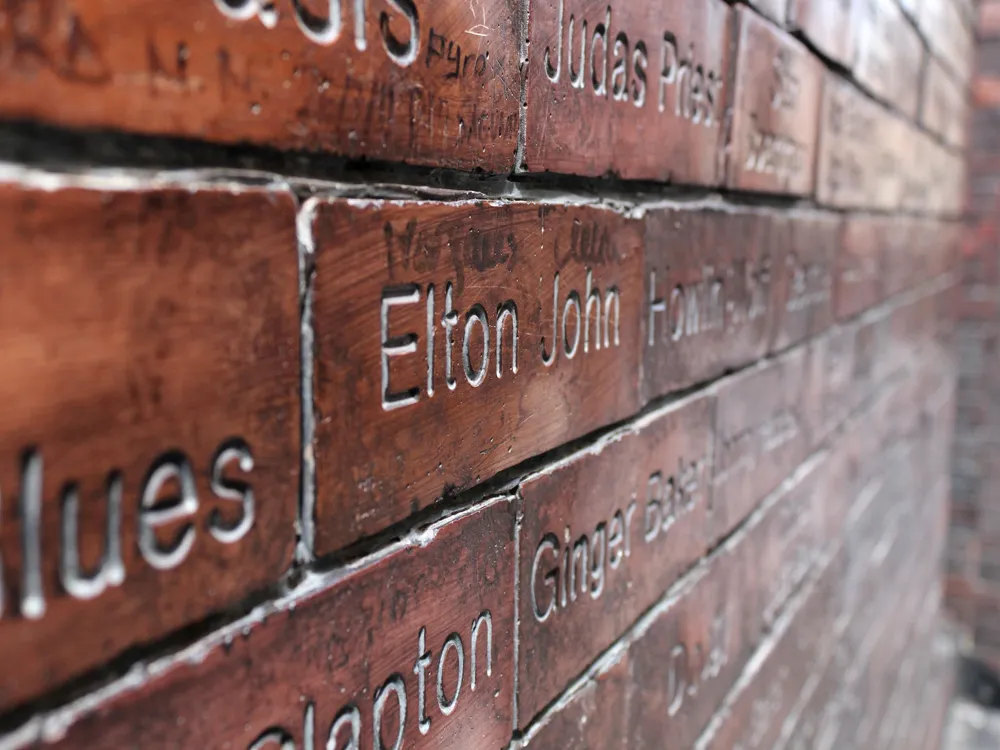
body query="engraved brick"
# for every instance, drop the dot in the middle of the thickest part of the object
(828, 24)
(406, 294)
(858, 283)
(775, 110)
(688, 653)
(804, 281)
(595, 716)
(416, 647)
(945, 105)
(856, 165)
(765, 421)
(151, 428)
(889, 54)
(769, 691)
(604, 535)
(634, 89)
(850, 368)
(426, 82)
(709, 297)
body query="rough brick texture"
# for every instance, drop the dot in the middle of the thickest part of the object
(495, 374)
(973, 556)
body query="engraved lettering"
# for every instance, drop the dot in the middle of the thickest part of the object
(110, 570)
(640, 59)
(154, 512)
(452, 642)
(419, 667)
(506, 312)
(448, 320)
(401, 53)
(485, 618)
(572, 303)
(576, 318)
(30, 507)
(552, 71)
(324, 31)
(230, 532)
(619, 74)
(550, 544)
(600, 38)
(568, 572)
(677, 678)
(576, 77)
(397, 346)
(273, 738)
(476, 376)
(430, 341)
(395, 686)
(348, 718)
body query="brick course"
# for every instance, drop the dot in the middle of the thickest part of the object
(503, 374)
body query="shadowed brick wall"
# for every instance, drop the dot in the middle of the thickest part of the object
(485, 374)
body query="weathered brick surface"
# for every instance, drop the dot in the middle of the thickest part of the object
(497, 374)
(973, 558)
(775, 106)
(152, 420)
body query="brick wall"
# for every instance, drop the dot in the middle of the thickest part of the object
(973, 571)
(483, 374)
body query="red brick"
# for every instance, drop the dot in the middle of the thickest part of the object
(945, 108)
(931, 178)
(654, 111)
(765, 421)
(482, 262)
(775, 111)
(804, 281)
(152, 342)
(889, 54)
(418, 627)
(686, 655)
(635, 507)
(856, 165)
(710, 297)
(847, 368)
(430, 83)
(858, 283)
(768, 692)
(594, 717)
(828, 25)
